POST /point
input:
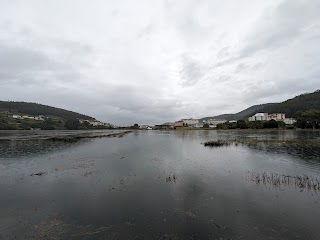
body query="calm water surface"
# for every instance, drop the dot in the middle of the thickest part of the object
(155, 185)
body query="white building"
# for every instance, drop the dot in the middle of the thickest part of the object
(178, 124)
(214, 122)
(259, 117)
(289, 121)
(17, 117)
(190, 121)
(198, 125)
(276, 116)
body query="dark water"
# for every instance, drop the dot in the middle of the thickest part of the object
(156, 185)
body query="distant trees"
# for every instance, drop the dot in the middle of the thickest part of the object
(48, 124)
(206, 125)
(242, 124)
(308, 119)
(271, 124)
(72, 124)
(135, 126)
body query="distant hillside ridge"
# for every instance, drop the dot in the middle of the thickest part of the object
(294, 105)
(39, 109)
(239, 115)
(290, 107)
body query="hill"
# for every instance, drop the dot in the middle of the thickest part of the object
(36, 109)
(290, 107)
(297, 104)
(239, 115)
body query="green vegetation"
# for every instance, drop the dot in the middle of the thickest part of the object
(53, 118)
(72, 124)
(36, 109)
(295, 105)
(241, 124)
(308, 119)
(206, 125)
(290, 107)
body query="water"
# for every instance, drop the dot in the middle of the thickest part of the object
(156, 185)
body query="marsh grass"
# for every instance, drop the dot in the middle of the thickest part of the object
(278, 180)
(77, 138)
(218, 143)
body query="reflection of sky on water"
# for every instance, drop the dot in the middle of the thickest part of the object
(120, 184)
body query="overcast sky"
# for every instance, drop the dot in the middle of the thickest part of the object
(156, 61)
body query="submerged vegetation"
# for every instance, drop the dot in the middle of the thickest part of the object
(218, 143)
(277, 180)
(79, 137)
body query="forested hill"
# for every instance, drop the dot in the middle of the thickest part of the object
(36, 109)
(297, 104)
(239, 115)
(290, 107)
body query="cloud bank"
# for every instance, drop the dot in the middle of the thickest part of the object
(157, 61)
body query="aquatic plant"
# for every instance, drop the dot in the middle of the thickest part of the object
(278, 180)
(218, 143)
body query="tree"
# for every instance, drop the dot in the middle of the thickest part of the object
(271, 124)
(48, 124)
(135, 126)
(242, 124)
(206, 125)
(72, 124)
(312, 117)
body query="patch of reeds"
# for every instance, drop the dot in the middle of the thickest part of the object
(79, 137)
(218, 143)
(278, 180)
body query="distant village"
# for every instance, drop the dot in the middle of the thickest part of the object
(212, 123)
(183, 123)
(94, 123)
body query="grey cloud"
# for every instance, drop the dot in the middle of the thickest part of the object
(283, 26)
(161, 61)
(191, 72)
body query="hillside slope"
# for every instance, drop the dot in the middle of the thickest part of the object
(299, 103)
(39, 109)
(290, 107)
(239, 115)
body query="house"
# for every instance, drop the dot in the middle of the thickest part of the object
(179, 123)
(276, 116)
(17, 117)
(96, 123)
(259, 117)
(190, 122)
(38, 118)
(289, 121)
(198, 125)
(214, 122)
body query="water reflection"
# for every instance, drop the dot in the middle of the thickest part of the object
(118, 188)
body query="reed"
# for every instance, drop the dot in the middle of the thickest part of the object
(278, 180)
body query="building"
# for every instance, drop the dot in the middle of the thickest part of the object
(214, 122)
(198, 125)
(96, 123)
(17, 117)
(190, 122)
(259, 117)
(276, 116)
(289, 121)
(179, 123)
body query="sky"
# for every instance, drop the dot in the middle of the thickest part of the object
(151, 62)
